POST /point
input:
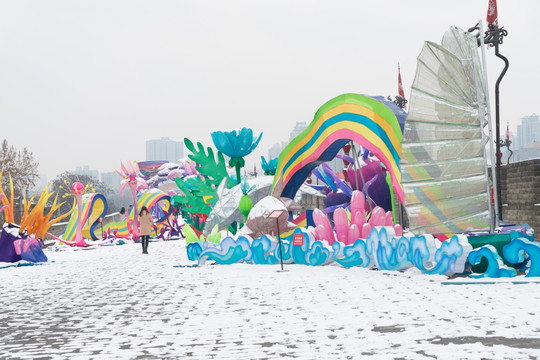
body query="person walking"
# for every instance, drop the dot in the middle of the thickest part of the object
(145, 223)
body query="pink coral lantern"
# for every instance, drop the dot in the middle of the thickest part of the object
(348, 232)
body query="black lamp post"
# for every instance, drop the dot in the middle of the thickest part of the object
(494, 37)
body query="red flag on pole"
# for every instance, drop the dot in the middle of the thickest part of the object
(507, 131)
(400, 84)
(492, 13)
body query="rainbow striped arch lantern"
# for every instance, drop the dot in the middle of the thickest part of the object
(369, 121)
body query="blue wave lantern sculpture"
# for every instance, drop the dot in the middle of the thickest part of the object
(382, 250)
(515, 252)
(495, 268)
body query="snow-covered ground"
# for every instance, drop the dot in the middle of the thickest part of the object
(114, 302)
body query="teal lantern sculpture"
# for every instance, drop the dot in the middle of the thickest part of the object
(236, 145)
(269, 167)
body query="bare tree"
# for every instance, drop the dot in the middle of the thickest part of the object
(21, 165)
(61, 185)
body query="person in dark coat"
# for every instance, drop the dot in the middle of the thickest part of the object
(145, 225)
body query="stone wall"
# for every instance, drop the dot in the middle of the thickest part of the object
(520, 192)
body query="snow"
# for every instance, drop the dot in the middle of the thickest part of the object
(114, 302)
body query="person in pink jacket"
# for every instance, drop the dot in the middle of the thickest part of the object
(145, 223)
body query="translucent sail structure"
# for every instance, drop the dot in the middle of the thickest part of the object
(443, 162)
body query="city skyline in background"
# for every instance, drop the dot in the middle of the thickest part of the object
(525, 145)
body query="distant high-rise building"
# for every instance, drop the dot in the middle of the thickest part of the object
(111, 179)
(528, 131)
(298, 128)
(85, 170)
(164, 149)
(277, 148)
(526, 144)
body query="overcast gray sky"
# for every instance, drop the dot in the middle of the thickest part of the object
(88, 82)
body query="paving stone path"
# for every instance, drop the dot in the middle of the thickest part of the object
(114, 302)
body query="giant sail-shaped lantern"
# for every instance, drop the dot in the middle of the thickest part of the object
(443, 162)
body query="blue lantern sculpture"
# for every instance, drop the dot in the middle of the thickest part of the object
(236, 144)
(269, 167)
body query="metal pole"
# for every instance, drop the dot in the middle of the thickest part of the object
(354, 163)
(355, 158)
(484, 112)
(490, 130)
(400, 207)
(497, 119)
(279, 241)
(494, 37)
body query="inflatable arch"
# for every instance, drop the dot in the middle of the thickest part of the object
(365, 120)
(148, 199)
(94, 206)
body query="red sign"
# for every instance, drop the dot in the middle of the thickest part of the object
(298, 239)
(276, 214)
